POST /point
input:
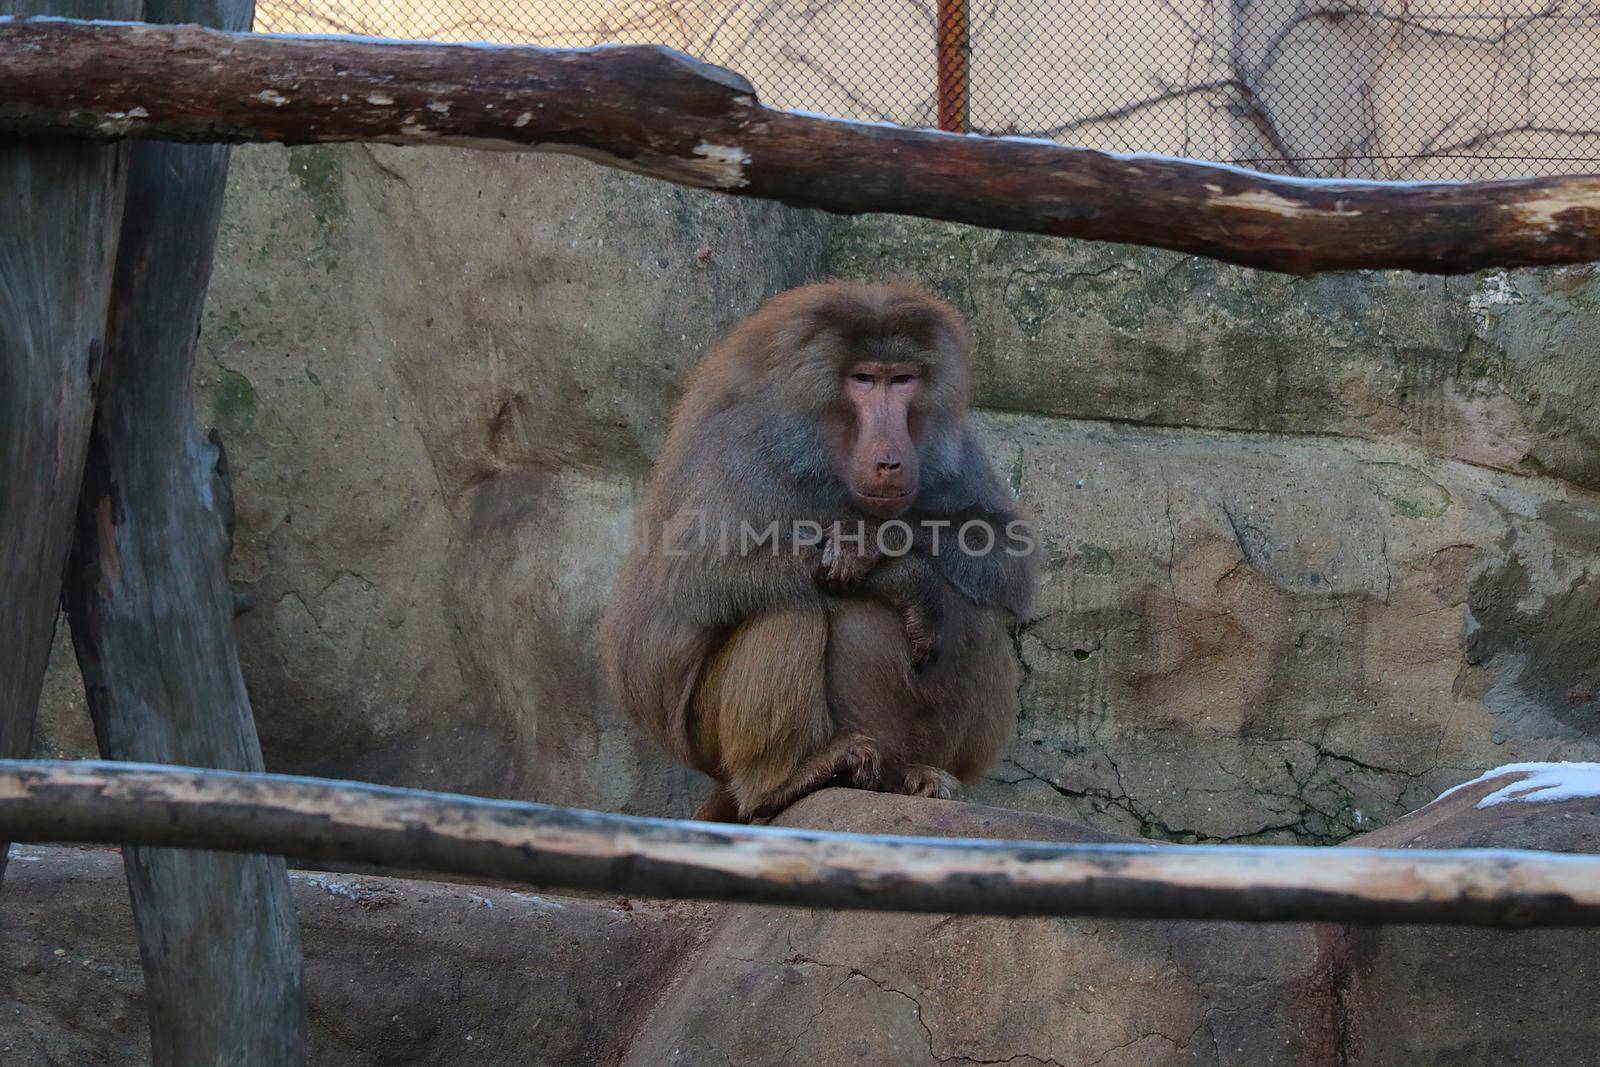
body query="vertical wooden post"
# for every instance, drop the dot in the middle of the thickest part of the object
(59, 206)
(151, 608)
(954, 53)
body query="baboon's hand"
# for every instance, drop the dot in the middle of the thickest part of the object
(921, 622)
(845, 561)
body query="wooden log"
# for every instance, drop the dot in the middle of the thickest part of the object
(59, 203)
(152, 618)
(659, 113)
(552, 847)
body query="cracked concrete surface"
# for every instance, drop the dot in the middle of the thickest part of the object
(1237, 639)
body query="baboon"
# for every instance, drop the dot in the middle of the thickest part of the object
(826, 576)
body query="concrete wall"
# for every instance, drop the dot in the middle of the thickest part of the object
(1317, 548)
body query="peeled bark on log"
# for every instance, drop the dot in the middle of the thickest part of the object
(657, 112)
(59, 205)
(152, 619)
(550, 847)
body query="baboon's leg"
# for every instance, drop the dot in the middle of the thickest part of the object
(949, 720)
(762, 715)
(719, 806)
(849, 758)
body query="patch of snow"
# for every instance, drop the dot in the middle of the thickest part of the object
(1495, 292)
(1544, 783)
(1282, 180)
(330, 886)
(1353, 184)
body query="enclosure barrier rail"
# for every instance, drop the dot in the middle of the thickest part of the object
(663, 114)
(563, 848)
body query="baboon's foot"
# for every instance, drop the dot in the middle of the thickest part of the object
(849, 758)
(718, 807)
(924, 781)
(857, 760)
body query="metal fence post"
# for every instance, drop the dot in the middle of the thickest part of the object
(954, 50)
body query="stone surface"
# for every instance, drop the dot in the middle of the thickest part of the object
(773, 986)
(1317, 547)
(1507, 807)
(396, 971)
(1287, 640)
(1494, 369)
(1439, 995)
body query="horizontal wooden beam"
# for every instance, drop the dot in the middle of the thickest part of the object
(551, 847)
(660, 113)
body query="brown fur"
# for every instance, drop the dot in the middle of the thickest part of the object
(780, 672)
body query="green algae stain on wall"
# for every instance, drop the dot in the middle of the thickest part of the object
(233, 405)
(316, 170)
(1409, 493)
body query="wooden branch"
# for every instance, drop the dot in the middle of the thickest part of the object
(152, 618)
(563, 848)
(58, 229)
(659, 113)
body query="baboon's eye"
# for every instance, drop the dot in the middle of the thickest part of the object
(864, 379)
(902, 379)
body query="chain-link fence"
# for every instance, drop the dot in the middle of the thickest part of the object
(1394, 89)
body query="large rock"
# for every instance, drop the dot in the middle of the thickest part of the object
(1431, 994)
(396, 972)
(776, 986)
(1286, 640)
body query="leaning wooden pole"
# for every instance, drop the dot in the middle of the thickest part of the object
(59, 205)
(660, 113)
(562, 848)
(151, 609)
